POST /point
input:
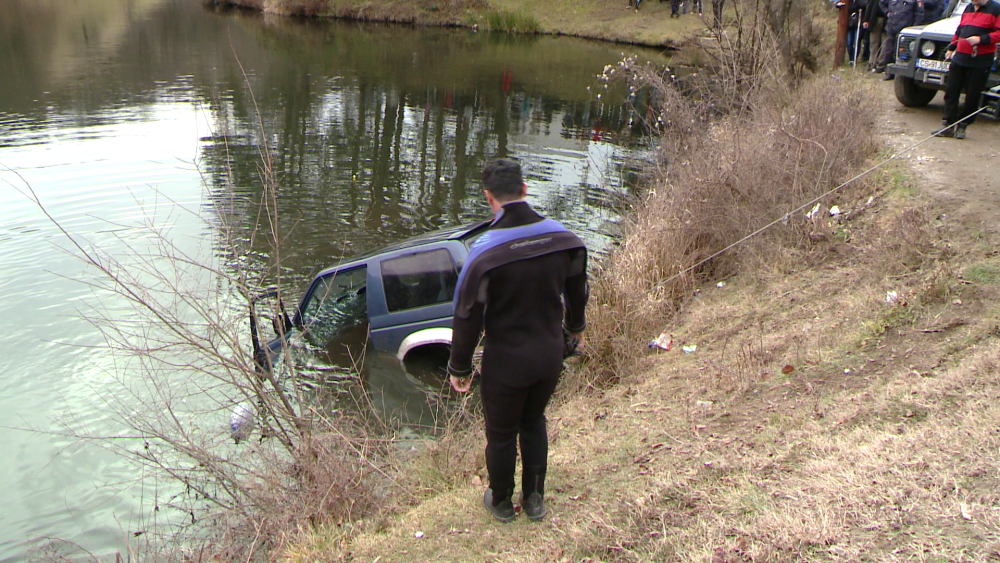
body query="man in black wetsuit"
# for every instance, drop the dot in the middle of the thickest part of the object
(525, 282)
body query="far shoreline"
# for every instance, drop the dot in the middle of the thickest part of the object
(614, 22)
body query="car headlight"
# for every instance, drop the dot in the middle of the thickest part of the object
(927, 49)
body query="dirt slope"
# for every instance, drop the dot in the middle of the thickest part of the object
(963, 176)
(814, 422)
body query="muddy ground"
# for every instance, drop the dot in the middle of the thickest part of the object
(963, 175)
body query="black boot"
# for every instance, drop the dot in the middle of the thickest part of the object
(960, 131)
(501, 508)
(945, 131)
(533, 493)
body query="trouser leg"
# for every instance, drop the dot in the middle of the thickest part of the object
(954, 82)
(888, 49)
(975, 81)
(534, 437)
(502, 407)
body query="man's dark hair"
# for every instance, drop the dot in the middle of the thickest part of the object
(502, 177)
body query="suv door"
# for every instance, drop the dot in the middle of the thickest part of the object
(334, 314)
(417, 290)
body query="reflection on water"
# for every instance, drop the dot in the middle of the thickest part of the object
(126, 114)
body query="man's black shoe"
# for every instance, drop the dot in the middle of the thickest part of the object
(947, 131)
(960, 132)
(534, 507)
(888, 76)
(502, 511)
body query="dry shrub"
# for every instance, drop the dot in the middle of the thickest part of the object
(307, 8)
(329, 482)
(720, 181)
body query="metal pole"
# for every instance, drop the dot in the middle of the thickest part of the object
(857, 40)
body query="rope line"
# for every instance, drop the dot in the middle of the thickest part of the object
(784, 218)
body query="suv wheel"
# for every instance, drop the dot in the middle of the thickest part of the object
(911, 95)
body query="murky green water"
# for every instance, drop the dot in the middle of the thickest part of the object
(119, 113)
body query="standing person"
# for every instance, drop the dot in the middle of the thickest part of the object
(933, 10)
(971, 54)
(853, 25)
(874, 24)
(675, 7)
(898, 15)
(524, 280)
(717, 6)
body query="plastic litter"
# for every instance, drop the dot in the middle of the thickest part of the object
(720, 285)
(814, 211)
(242, 422)
(892, 298)
(689, 348)
(663, 342)
(835, 210)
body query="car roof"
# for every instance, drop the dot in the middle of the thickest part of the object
(460, 232)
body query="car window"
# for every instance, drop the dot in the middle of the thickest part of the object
(419, 280)
(338, 302)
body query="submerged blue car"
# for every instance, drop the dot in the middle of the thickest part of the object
(396, 300)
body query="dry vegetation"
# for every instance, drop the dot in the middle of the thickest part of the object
(817, 420)
(598, 19)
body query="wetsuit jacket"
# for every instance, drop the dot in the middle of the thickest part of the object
(522, 291)
(984, 22)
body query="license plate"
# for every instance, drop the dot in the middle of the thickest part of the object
(931, 64)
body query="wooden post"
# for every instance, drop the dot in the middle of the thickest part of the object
(842, 22)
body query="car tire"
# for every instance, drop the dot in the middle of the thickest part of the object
(910, 94)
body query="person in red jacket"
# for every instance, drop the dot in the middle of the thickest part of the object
(971, 54)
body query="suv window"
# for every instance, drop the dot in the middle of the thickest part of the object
(339, 302)
(419, 280)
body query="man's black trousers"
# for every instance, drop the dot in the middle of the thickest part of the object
(970, 79)
(513, 411)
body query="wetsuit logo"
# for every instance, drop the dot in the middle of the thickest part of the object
(522, 244)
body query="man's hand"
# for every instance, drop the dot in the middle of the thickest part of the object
(948, 54)
(462, 384)
(974, 40)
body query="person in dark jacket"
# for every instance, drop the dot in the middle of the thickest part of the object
(525, 283)
(933, 10)
(874, 24)
(898, 15)
(971, 54)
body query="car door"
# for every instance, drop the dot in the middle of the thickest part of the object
(417, 287)
(334, 314)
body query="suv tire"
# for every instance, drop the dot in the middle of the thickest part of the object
(911, 95)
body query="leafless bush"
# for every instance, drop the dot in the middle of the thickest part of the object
(175, 322)
(720, 180)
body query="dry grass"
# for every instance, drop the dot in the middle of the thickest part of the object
(872, 447)
(721, 181)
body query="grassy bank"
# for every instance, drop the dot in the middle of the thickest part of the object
(597, 19)
(837, 401)
(816, 419)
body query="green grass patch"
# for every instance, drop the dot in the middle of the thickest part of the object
(510, 21)
(889, 319)
(987, 274)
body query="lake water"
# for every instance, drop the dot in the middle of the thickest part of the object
(124, 116)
